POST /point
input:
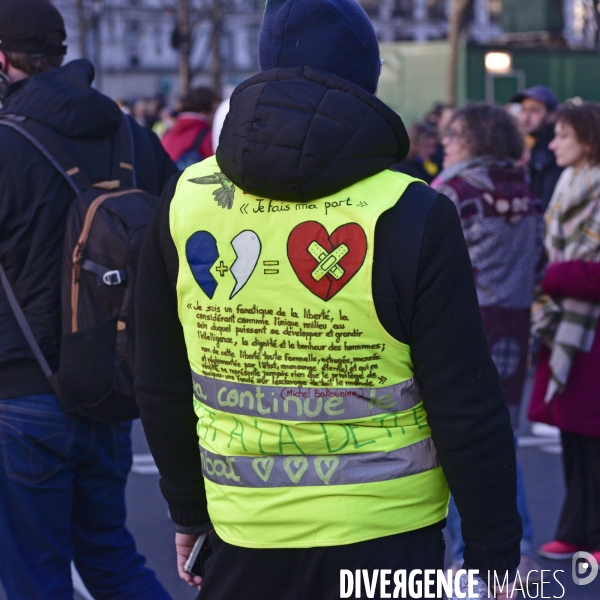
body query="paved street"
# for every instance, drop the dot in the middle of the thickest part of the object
(540, 460)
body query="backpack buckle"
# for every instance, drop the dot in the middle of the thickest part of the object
(112, 278)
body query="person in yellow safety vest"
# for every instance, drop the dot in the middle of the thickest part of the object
(313, 375)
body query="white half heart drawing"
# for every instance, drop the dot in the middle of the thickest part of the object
(247, 249)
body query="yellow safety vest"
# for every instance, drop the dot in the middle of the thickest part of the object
(312, 431)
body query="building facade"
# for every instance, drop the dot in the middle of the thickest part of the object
(131, 41)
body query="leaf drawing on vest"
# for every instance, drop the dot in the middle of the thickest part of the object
(224, 194)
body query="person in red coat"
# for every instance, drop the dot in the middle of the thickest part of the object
(566, 315)
(190, 140)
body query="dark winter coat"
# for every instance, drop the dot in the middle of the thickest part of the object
(543, 170)
(34, 200)
(300, 134)
(415, 167)
(577, 409)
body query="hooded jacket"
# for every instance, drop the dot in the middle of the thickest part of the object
(35, 199)
(299, 134)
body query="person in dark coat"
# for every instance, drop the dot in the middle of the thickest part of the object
(306, 127)
(536, 119)
(423, 144)
(62, 480)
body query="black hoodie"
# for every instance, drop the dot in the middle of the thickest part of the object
(300, 134)
(34, 200)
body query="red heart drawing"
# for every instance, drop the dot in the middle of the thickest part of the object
(326, 263)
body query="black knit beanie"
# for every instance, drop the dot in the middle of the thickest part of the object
(335, 36)
(32, 27)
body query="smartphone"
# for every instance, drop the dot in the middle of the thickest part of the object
(194, 563)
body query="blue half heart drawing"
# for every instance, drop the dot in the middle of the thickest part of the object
(201, 253)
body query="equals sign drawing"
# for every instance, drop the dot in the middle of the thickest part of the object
(271, 263)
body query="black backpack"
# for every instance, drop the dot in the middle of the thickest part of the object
(104, 230)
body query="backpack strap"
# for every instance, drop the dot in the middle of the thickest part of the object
(104, 276)
(198, 142)
(125, 172)
(26, 330)
(45, 140)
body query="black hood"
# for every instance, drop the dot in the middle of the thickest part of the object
(300, 134)
(64, 99)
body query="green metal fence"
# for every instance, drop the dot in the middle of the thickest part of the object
(569, 73)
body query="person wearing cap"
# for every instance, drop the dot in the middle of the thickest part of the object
(536, 118)
(62, 479)
(309, 318)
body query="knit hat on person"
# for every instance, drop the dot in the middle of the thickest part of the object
(31, 27)
(334, 36)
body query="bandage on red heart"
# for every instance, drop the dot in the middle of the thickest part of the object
(340, 255)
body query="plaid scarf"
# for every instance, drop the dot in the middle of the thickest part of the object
(567, 325)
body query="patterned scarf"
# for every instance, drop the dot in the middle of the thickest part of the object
(567, 325)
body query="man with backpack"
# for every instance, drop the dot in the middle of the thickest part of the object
(70, 167)
(190, 139)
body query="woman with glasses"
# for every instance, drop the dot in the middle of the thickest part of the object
(502, 224)
(566, 315)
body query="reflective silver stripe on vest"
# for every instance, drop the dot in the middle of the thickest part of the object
(304, 404)
(340, 469)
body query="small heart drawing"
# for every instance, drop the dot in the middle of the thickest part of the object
(201, 253)
(331, 463)
(263, 467)
(326, 263)
(300, 463)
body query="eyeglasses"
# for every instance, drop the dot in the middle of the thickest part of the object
(452, 134)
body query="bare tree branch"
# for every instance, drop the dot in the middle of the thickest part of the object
(457, 27)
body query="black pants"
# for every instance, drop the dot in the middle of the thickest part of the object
(580, 519)
(234, 573)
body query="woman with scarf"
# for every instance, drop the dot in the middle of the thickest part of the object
(565, 315)
(502, 224)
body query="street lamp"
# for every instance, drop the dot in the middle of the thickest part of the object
(499, 64)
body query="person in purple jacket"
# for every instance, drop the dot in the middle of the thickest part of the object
(502, 224)
(566, 316)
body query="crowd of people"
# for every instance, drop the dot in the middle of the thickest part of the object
(185, 129)
(444, 296)
(524, 179)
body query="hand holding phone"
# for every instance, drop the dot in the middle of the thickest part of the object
(193, 564)
(184, 546)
